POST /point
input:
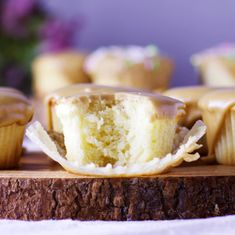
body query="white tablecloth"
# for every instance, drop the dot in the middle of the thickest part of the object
(213, 226)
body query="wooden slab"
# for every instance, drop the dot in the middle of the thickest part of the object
(40, 189)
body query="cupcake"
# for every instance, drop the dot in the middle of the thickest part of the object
(55, 70)
(112, 133)
(133, 66)
(216, 66)
(218, 113)
(190, 96)
(15, 113)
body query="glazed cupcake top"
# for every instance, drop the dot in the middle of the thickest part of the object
(224, 51)
(73, 90)
(14, 107)
(83, 88)
(215, 105)
(166, 106)
(124, 55)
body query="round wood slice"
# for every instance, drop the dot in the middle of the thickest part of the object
(40, 189)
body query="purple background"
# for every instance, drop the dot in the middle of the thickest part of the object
(179, 27)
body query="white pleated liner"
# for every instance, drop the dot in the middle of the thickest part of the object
(39, 136)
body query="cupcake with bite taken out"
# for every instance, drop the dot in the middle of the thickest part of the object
(110, 132)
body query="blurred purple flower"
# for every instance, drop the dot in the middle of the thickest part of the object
(57, 35)
(14, 11)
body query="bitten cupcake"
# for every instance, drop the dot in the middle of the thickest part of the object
(216, 66)
(15, 113)
(132, 66)
(55, 70)
(218, 112)
(190, 96)
(114, 133)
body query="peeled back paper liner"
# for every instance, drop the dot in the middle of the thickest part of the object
(39, 136)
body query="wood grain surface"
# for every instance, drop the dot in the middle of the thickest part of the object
(41, 189)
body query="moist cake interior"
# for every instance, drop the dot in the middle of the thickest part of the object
(108, 130)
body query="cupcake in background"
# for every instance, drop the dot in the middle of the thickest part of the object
(218, 112)
(55, 70)
(191, 95)
(15, 113)
(216, 66)
(132, 66)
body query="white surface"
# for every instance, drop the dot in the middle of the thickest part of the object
(219, 225)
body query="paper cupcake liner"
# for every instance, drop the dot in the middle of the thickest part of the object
(185, 152)
(11, 138)
(225, 146)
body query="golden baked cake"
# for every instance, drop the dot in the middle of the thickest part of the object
(218, 112)
(55, 70)
(117, 133)
(15, 113)
(216, 66)
(190, 95)
(132, 66)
